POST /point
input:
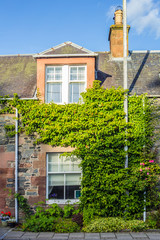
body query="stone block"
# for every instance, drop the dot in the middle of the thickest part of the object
(32, 193)
(10, 147)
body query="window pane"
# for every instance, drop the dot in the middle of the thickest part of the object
(54, 92)
(64, 163)
(50, 70)
(75, 90)
(81, 70)
(73, 77)
(50, 77)
(58, 77)
(73, 73)
(73, 70)
(81, 77)
(53, 162)
(72, 184)
(58, 70)
(56, 186)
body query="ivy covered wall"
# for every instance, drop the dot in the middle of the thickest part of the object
(97, 131)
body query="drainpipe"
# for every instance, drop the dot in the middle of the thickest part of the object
(16, 166)
(144, 210)
(125, 82)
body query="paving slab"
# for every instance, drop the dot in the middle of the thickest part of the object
(59, 236)
(92, 236)
(154, 238)
(78, 235)
(138, 235)
(107, 235)
(45, 235)
(123, 236)
(14, 234)
(3, 230)
(44, 238)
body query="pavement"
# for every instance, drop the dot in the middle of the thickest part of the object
(13, 234)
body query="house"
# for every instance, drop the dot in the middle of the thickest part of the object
(60, 74)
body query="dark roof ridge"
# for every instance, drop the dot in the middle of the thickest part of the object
(17, 55)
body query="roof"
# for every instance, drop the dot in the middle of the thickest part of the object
(18, 75)
(66, 49)
(143, 71)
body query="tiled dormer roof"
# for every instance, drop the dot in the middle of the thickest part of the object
(66, 49)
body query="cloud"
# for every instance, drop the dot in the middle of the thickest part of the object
(144, 15)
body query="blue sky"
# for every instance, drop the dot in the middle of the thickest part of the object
(31, 26)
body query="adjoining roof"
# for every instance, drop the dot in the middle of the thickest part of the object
(66, 49)
(143, 72)
(18, 75)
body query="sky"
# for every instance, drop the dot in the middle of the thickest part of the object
(32, 26)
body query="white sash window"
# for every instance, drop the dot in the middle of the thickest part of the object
(64, 84)
(63, 178)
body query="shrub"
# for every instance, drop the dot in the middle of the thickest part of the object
(39, 224)
(153, 219)
(88, 215)
(66, 226)
(68, 210)
(78, 218)
(114, 225)
(54, 210)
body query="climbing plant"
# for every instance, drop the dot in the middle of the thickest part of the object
(97, 130)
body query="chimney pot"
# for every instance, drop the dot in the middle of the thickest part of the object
(118, 17)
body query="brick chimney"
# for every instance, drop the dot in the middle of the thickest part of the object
(116, 34)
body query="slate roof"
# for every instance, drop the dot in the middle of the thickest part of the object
(18, 75)
(143, 71)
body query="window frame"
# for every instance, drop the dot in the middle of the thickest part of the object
(58, 201)
(65, 81)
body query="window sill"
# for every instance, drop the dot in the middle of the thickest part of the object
(62, 201)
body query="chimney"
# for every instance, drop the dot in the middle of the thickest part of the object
(116, 34)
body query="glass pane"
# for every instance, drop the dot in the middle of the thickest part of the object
(58, 70)
(53, 162)
(54, 92)
(75, 164)
(73, 70)
(50, 77)
(50, 70)
(58, 77)
(64, 163)
(72, 185)
(56, 186)
(75, 90)
(81, 76)
(81, 70)
(56, 180)
(73, 77)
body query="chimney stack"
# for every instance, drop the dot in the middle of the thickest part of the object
(116, 34)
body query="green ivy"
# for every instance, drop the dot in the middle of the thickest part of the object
(98, 131)
(10, 130)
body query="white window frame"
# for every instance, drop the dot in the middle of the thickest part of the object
(65, 80)
(59, 201)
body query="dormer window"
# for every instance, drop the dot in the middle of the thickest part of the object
(65, 83)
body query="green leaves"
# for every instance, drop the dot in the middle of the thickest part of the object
(98, 131)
